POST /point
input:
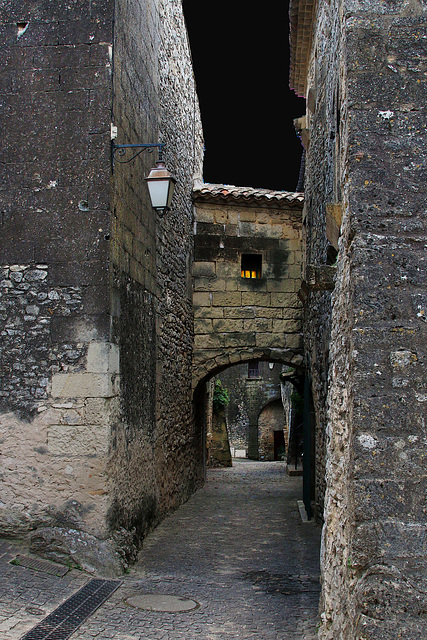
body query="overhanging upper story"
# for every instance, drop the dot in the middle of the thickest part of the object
(301, 15)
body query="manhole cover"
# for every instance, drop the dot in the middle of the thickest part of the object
(157, 602)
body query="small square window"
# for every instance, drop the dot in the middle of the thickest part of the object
(251, 266)
(253, 369)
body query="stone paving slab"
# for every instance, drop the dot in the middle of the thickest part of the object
(238, 548)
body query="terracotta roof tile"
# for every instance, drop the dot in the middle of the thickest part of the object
(246, 195)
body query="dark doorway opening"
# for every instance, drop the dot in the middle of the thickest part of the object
(279, 445)
(309, 453)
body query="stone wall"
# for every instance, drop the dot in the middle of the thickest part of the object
(270, 422)
(321, 135)
(240, 319)
(292, 402)
(217, 441)
(58, 370)
(248, 396)
(96, 311)
(364, 100)
(154, 101)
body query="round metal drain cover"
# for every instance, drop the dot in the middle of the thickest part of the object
(158, 602)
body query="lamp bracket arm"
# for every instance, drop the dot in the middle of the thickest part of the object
(122, 149)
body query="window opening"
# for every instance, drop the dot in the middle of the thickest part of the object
(253, 370)
(251, 266)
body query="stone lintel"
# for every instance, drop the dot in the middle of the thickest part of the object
(84, 385)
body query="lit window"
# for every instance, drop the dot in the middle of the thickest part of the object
(251, 266)
(253, 370)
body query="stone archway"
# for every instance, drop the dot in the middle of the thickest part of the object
(246, 275)
(202, 397)
(203, 370)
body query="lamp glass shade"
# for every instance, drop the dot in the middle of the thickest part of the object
(160, 186)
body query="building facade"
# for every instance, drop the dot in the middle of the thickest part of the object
(255, 411)
(247, 273)
(360, 65)
(96, 423)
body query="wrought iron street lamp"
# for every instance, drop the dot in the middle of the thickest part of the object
(160, 181)
(161, 186)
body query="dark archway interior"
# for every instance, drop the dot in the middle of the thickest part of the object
(203, 405)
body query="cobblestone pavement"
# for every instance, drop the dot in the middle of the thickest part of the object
(238, 548)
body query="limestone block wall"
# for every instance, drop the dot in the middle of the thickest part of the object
(366, 88)
(270, 421)
(59, 374)
(157, 458)
(247, 398)
(95, 307)
(239, 319)
(217, 441)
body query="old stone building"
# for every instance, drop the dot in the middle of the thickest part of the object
(361, 67)
(255, 415)
(113, 319)
(247, 273)
(96, 424)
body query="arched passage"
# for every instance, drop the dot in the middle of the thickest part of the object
(246, 275)
(246, 278)
(257, 397)
(204, 369)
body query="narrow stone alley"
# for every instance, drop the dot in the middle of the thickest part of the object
(237, 555)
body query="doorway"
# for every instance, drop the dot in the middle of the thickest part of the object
(279, 445)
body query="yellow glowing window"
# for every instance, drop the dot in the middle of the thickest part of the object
(251, 266)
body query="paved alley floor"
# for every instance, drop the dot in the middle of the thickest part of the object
(237, 548)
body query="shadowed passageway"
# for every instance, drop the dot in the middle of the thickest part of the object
(237, 548)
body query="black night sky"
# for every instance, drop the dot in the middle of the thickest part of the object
(241, 61)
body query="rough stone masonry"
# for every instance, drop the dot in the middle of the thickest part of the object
(95, 307)
(237, 319)
(361, 66)
(97, 429)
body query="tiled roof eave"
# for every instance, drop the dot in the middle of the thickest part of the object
(248, 196)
